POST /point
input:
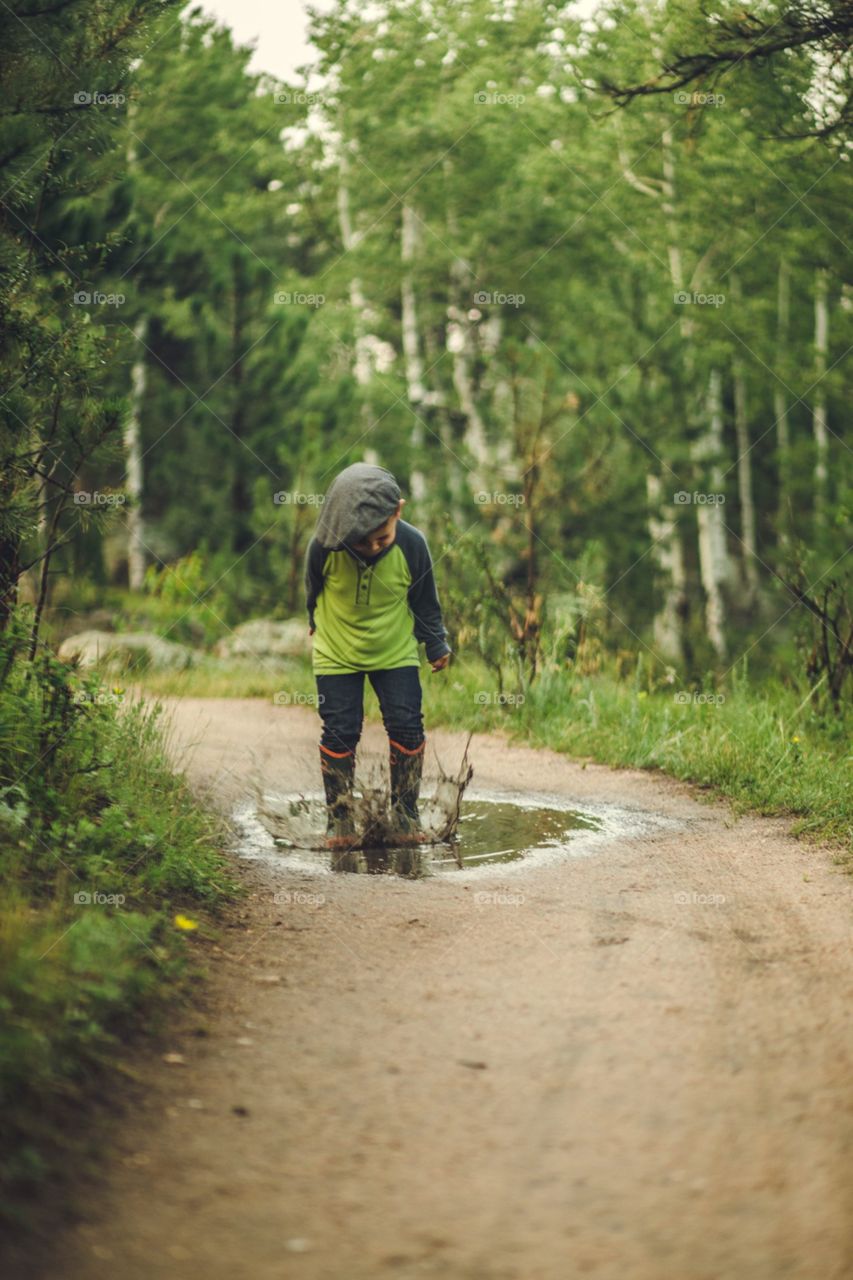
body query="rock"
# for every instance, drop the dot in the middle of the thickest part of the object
(265, 638)
(121, 651)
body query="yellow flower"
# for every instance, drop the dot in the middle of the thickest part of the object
(642, 694)
(184, 922)
(795, 738)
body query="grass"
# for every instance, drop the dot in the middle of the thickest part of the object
(762, 746)
(107, 867)
(211, 677)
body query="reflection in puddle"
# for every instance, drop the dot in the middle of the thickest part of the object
(500, 831)
(494, 831)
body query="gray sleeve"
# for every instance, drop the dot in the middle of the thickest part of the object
(423, 596)
(315, 558)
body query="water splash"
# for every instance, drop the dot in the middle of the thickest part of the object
(299, 822)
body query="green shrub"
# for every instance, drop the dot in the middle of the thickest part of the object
(101, 847)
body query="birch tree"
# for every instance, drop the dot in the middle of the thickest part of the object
(780, 398)
(746, 499)
(819, 403)
(134, 518)
(415, 387)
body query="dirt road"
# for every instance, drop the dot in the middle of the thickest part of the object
(640, 1068)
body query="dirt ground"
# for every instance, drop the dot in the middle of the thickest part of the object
(633, 1065)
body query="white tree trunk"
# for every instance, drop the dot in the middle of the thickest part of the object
(668, 626)
(749, 546)
(412, 349)
(669, 557)
(350, 239)
(452, 466)
(748, 542)
(475, 432)
(676, 268)
(780, 399)
(460, 347)
(133, 425)
(714, 566)
(499, 391)
(819, 419)
(133, 460)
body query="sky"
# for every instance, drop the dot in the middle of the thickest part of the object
(279, 29)
(277, 26)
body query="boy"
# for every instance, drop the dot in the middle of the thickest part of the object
(371, 599)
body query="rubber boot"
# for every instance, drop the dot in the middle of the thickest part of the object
(406, 767)
(338, 770)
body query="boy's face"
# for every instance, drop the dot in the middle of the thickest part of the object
(378, 539)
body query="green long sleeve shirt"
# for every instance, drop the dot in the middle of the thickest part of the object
(371, 612)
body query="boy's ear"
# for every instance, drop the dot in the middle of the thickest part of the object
(400, 505)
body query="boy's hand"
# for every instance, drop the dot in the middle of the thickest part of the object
(440, 663)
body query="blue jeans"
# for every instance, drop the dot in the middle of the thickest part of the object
(341, 707)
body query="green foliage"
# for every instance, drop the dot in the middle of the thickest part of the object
(181, 582)
(478, 619)
(761, 745)
(214, 199)
(58, 155)
(100, 844)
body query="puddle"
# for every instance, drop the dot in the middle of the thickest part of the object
(499, 830)
(495, 831)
